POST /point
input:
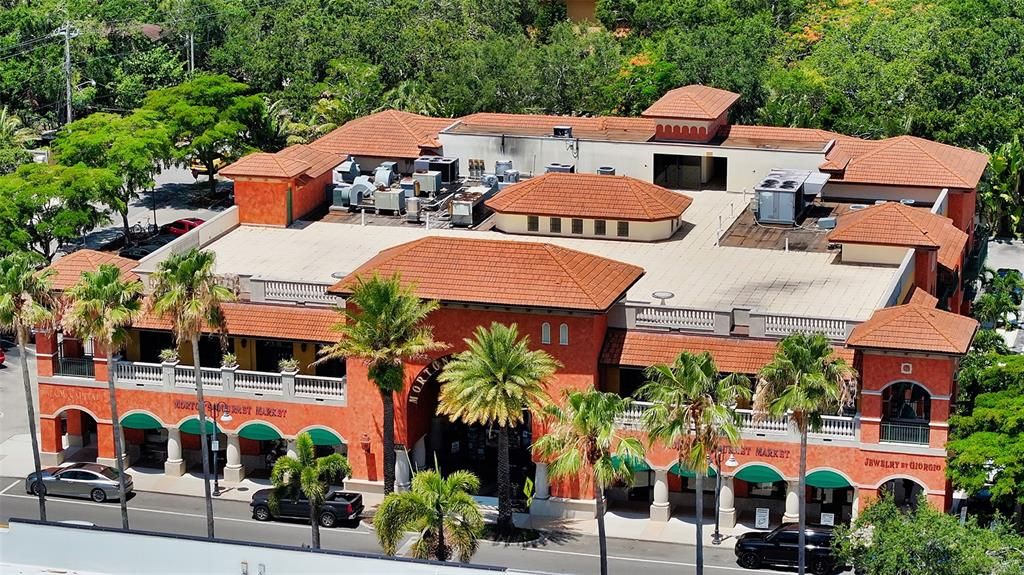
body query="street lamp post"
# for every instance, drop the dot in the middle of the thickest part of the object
(224, 418)
(716, 537)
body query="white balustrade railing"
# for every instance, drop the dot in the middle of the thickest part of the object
(675, 318)
(631, 419)
(833, 426)
(750, 423)
(320, 387)
(258, 382)
(185, 376)
(783, 325)
(296, 292)
(139, 373)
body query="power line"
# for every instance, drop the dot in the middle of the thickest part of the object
(29, 42)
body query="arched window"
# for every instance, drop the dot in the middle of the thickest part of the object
(563, 334)
(545, 333)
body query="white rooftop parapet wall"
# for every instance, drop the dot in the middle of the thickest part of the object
(113, 552)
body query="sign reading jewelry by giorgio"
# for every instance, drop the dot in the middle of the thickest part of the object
(233, 408)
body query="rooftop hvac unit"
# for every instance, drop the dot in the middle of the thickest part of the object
(346, 172)
(421, 164)
(412, 210)
(857, 207)
(430, 181)
(384, 176)
(392, 200)
(907, 202)
(880, 202)
(449, 168)
(826, 223)
(510, 177)
(780, 197)
(560, 168)
(341, 194)
(562, 131)
(606, 171)
(502, 166)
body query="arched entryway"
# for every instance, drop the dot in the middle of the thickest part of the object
(145, 438)
(906, 412)
(191, 445)
(830, 497)
(457, 446)
(79, 434)
(259, 445)
(759, 486)
(905, 491)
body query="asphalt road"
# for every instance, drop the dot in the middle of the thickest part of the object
(561, 553)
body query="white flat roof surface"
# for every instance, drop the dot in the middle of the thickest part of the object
(690, 265)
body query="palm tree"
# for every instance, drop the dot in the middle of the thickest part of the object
(13, 132)
(26, 302)
(693, 410)
(309, 474)
(186, 291)
(100, 306)
(385, 329)
(492, 383)
(440, 509)
(804, 381)
(582, 435)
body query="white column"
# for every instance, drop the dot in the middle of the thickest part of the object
(233, 470)
(293, 450)
(541, 489)
(792, 502)
(727, 504)
(174, 466)
(855, 510)
(403, 472)
(661, 510)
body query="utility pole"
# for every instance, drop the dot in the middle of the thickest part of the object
(68, 32)
(191, 54)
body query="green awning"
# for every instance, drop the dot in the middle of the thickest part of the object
(758, 474)
(689, 472)
(192, 426)
(140, 421)
(323, 437)
(825, 479)
(634, 464)
(259, 432)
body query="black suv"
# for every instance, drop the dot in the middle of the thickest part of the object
(780, 547)
(337, 506)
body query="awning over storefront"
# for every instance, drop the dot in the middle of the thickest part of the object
(759, 474)
(192, 426)
(324, 437)
(825, 479)
(635, 464)
(141, 421)
(682, 472)
(259, 432)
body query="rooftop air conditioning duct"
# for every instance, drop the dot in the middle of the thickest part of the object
(562, 131)
(857, 207)
(606, 171)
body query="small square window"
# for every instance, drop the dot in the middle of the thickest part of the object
(577, 226)
(532, 223)
(555, 225)
(599, 227)
(623, 229)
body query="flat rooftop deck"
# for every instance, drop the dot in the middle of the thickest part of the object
(690, 265)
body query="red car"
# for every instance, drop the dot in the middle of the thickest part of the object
(3, 356)
(182, 226)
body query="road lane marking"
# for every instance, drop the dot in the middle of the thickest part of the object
(179, 514)
(641, 560)
(8, 488)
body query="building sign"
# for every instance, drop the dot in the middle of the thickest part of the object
(902, 465)
(425, 376)
(828, 519)
(761, 519)
(761, 452)
(232, 408)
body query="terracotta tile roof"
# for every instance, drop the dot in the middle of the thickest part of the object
(896, 224)
(70, 267)
(606, 128)
(905, 161)
(590, 196)
(737, 135)
(291, 162)
(733, 355)
(267, 321)
(915, 327)
(922, 297)
(501, 272)
(387, 134)
(693, 102)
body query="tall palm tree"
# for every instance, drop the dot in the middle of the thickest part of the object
(186, 291)
(308, 474)
(694, 409)
(440, 509)
(804, 380)
(492, 383)
(385, 329)
(582, 436)
(26, 301)
(101, 306)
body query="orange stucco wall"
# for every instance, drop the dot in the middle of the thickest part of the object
(265, 201)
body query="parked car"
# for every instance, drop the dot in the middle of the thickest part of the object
(337, 506)
(91, 480)
(3, 356)
(780, 548)
(138, 252)
(182, 226)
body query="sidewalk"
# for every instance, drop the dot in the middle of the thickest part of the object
(16, 461)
